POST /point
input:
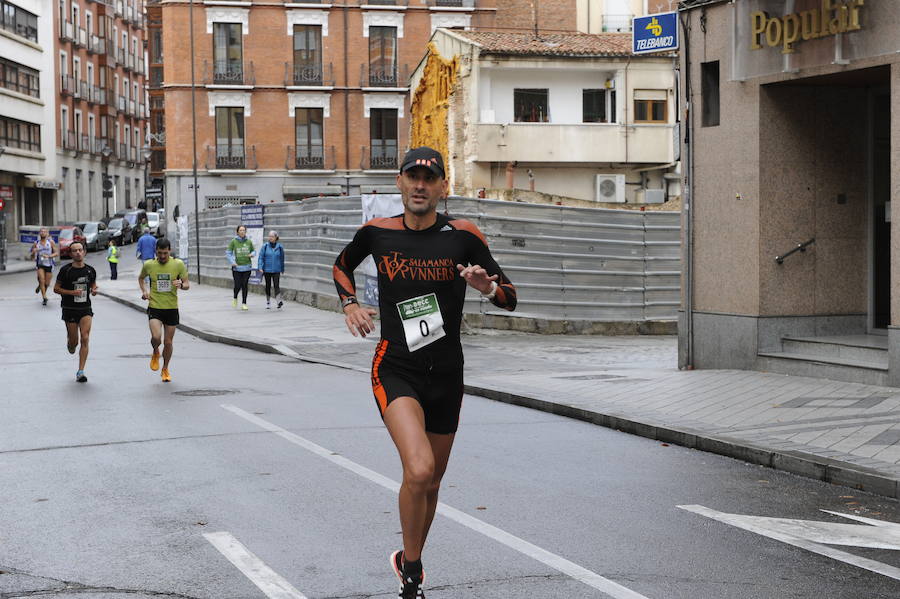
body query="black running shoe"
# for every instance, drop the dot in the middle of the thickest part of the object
(410, 588)
(80, 376)
(44, 302)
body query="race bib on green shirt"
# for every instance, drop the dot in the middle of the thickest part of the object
(163, 282)
(422, 321)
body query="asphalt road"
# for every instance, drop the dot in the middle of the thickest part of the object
(126, 487)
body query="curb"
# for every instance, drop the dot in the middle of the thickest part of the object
(793, 462)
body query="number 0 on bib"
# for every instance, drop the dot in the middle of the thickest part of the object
(422, 320)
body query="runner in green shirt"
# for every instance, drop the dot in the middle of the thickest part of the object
(167, 275)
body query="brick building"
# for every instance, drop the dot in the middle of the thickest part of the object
(101, 106)
(293, 100)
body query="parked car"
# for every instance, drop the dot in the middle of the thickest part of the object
(134, 218)
(96, 233)
(68, 234)
(157, 224)
(120, 231)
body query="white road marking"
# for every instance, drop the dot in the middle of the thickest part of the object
(813, 536)
(268, 581)
(552, 560)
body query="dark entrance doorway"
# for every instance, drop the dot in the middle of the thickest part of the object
(881, 206)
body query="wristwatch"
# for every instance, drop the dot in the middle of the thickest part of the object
(347, 301)
(490, 295)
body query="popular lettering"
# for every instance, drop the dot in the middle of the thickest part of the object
(831, 18)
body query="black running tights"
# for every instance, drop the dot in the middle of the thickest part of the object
(241, 283)
(272, 277)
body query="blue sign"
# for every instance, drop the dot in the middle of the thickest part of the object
(655, 33)
(252, 215)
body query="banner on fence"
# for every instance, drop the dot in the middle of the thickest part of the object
(376, 205)
(252, 218)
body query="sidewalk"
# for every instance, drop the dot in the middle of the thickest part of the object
(844, 433)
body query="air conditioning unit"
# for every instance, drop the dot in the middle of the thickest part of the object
(609, 188)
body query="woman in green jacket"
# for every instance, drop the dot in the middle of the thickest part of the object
(240, 254)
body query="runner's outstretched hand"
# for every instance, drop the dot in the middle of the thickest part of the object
(359, 319)
(477, 277)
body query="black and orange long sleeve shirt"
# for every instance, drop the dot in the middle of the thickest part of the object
(415, 264)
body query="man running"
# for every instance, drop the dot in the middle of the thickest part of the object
(43, 252)
(167, 276)
(76, 282)
(424, 260)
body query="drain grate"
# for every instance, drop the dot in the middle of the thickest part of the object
(205, 392)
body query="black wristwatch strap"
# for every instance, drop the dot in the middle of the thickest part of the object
(348, 300)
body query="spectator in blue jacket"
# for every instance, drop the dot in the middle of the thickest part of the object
(146, 247)
(271, 263)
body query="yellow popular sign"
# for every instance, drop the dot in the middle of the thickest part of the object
(830, 19)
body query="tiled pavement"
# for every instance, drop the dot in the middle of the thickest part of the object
(845, 433)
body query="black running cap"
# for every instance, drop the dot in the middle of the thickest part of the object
(424, 156)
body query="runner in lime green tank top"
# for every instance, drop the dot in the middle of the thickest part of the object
(167, 275)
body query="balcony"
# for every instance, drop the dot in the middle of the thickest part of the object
(98, 95)
(383, 76)
(96, 45)
(81, 37)
(84, 143)
(66, 85)
(66, 33)
(139, 66)
(99, 144)
(314, 157)
(231, 157)
(379, 157)
(120, 56)
(84, 90)
(69, 140)
(620, 23)
(384, 2)
(452, 3)
(306, 75)
(574, 143)
(120, 8)
(111, 102)
(156, 77)
(141, 111)
(228, 73)
(120, 103)
(131, 107)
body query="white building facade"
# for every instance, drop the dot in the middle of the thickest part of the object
(27, 95)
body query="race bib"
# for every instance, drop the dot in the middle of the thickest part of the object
(163, 282)
(45, 259)
(422, 321)
(81, 288)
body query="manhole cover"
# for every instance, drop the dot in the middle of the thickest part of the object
(205, 392)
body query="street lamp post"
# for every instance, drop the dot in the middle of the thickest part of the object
(106, 151)
(147, 152)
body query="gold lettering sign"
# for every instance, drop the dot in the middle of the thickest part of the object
(832, 18)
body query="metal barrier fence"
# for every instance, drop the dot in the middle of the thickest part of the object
(568, 264)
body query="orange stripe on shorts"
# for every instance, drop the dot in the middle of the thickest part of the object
(377, 388)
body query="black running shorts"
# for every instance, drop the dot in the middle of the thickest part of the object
(75, 314)
(167, 317)
(45, 268)
(437, 388)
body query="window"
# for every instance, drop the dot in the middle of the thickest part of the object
(307, 54)
(310, 148)
(21, 22)
(650, 106)
(383, 131)
(709, 90)
(156, 47)
(20, 134)
(531, 105)
(229, 137)
(383, 56)
(89, 22)
(20, 78)
(227, 55)
(594, 108)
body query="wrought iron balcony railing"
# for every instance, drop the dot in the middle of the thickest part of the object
(234, 156)
(66, 31)
(308, 75)
(452, 3)
(69, 140)
(310, 157)
(228, 72)
(379, 157)
(384, 75)
(67, 84)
